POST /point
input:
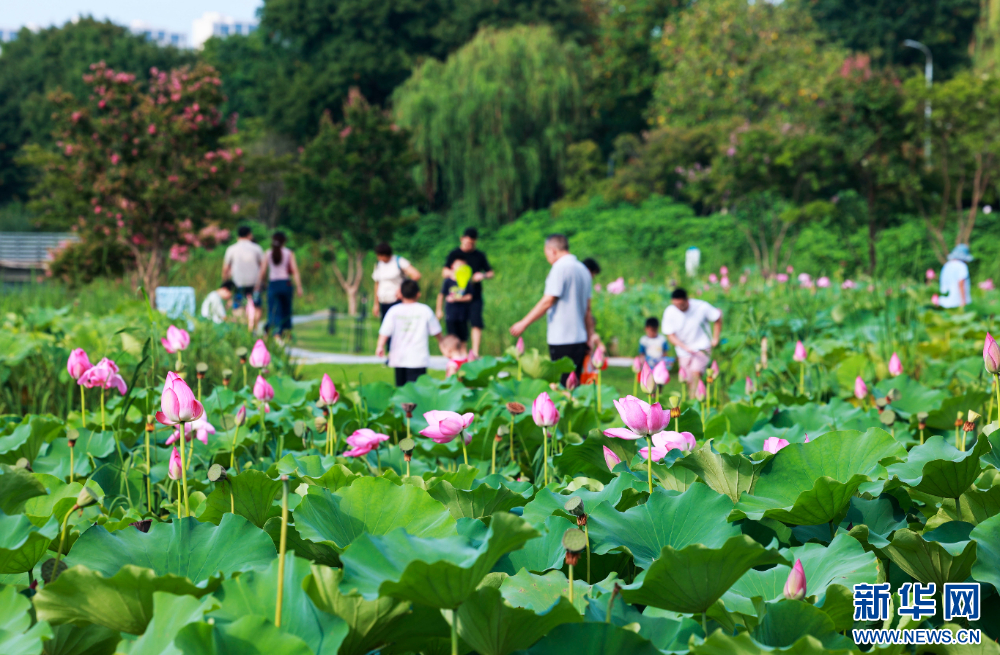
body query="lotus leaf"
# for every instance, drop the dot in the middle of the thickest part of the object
(591, 639)
(938, 468)
(22, 543)
(973, 506)
(17, 635)
(940, 556)
(27, 439)
(170, 614)
(55, 460)
(539, 592)
(873, 521)
(547, 502)
(729, 474)
(493, 627)
(68, 639)
(475, 503)
(789, 621)
(17, 487)
(250, 635)
(540, 554)
(251, 494)
(587, 457)
(427, 394)
(986, 536)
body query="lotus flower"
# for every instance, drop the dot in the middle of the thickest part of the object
(661, 374)
(519, 346)
(641, 418)
(637, 364)
(724, 270)
(682, 374)
(724, 282)
(664, 442)
(616, 287)
(327, 391)
(848, 284)
(800, 352)
(646, 382)
(860, 388)
(805, 279)
(572, 382)
(544, 412)
(611, 459)
(443, 426)
(363, 441)
(78, 363)
(177, 403)
(598, 357)
(176, 340)
(935, 300)
(200, 428)
(930, 274)
(795, 586)
(987, 284)
(895, 366)
(174, 468)
(781, 278)
(700, 392)
(262, 390)
(774, 444)
(714, 368)
(259, 357)
(823, 282)
(712, 278)
(749, 389)
(103, 375)
(241, 415)
(991, 355)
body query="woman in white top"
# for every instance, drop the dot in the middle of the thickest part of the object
(389, 274)
(955, 281)
(280, 269)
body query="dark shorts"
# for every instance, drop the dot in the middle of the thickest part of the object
(404, 375)
(575, 351)
(242, 293)
(476, 313)
(458, 328)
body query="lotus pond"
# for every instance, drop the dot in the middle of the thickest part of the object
(491, 514)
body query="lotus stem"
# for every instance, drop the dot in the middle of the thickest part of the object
(233, 463)
(407, 426)
(244, 374)
(184, 483)
(649, 469)
(263, 430)
(571, 583)
(232, 499)
(635, 385)
(199, 388)
(586, 532)
(330, 428)
(62, 539)
(704, 622)
(282, 545)
(493, 459)
(598, 390)
(545, 456)
(511, 438)
(465, 452)
(518, 369)
(996, 386)
(611, 604)
(149, 494)
(454, 625)
(802, 378)
(83, 409)
(102, 412)
(71, 462)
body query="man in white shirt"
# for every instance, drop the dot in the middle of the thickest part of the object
(409, 324)
(241, 264)
(955, 281)
(685, 324)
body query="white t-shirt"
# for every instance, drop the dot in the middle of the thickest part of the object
(409, 325)
(244, 258)
(691, 326)
(570, 282)
(213, 307)
(390, 277)
(953, 272)
(653, 346)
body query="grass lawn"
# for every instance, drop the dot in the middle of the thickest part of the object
(343, 373)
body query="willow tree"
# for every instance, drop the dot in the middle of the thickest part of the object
(491, 124)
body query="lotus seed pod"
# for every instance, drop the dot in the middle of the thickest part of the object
(515, 408)
(574, 506)
(216, 472)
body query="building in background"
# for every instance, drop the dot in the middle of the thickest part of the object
(159, 36)
(8, 34)
(213, 23)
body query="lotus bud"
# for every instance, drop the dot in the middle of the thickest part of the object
(328, 391)
(174, 467)
(611, 459)
(575, 542)
(574, 506)
(700, 391)
(86, 498)
(216, 472)
(714, 370)
(515, 408)
(970, 423)
(795, 586)
(259, 356)
(544, 412)
(408, 408)
(895, 366)
(241, 415)
(637, 364)
(262, 389)
(860, 388)
(200, 369)
(749, 388)
(519, 347)
(800, 354)
(991, 355)
(646, 382)
(661, 374)
(598, 357)
(572, 382)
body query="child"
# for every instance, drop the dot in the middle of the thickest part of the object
(213, 307)
(653, 345)
(409, 324)
(455, 351)
(457, 302)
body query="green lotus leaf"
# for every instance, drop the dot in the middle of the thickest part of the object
(17, 635)
(591, 639)
(122, 602)
(475, 503)
(294, 543)
(809, 484)
(844, 562)
(313, 469)
(974, 506)
(873, 521)
(720, 643)
(915, 397)
(587, 457)
(789, 621)
(434, 572)
(493, 627)
(541, 554)
(58, 500)
(696, 516)
(27, 438)
(479, 371)
(938, 468)
(250, 635)
(69, 639)
(540, 367)
(540, 592)
(428, 393)
(255, 593)
(547, 502)
(992, 432)
(17, 487)
(944, 418)
(726, 473)
(253, 494)
(668, 633)
(22, 543)
(170, 614)
(374, 506)
(987, 647)
(986, 536)
(184, 547)
(55, 460)
(942, 555)
(692, 578)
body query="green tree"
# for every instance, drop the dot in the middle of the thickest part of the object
(491, 124)
(38, 63)
(140, 165)
(353, 184)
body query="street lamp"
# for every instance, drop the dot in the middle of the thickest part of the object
(928, 80)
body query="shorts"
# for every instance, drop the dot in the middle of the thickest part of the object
(242, 293)
(458, 328)
(575, 351)
(476, 313)
(694, 363)
(404, 375)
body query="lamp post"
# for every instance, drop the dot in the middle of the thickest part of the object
(929, 80)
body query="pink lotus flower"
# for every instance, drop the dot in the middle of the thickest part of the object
(805, 279)
(774, 444)
(519, 346)
(714, 368)
(251, 313)
(598, 357)
(930, 274)
(327, 391)
(682, 374)
(241, 415)
(823, 282)
(895, 366)
(724, 271)
(611, 459)
(749, 389)
(363, 441)
(103, 375)
(544, 412)
(700, 391)
(259, 356)
(860, 388)
(637, 364)
(664, 442)
(78, 363)
(443, 426)
(616, 287)
(262, 390)
(151, 129)
(200, 428)
(661, 374)
(991, 355)
(640, 418)
(712, 278)
(174, 467)
(176, 340)
(789, 269)
(572, 382)
(848, 284)
(177, 403)
(724, 282)
(800, 354)
(935, 300)
(646, 382)
(115, 159)
(781, 277)
(795, 586)
(743, 279)
(987, 284)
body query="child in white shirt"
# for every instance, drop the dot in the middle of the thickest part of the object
(653, 345)
(409, 324)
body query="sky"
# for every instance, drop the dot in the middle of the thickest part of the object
(173, 15)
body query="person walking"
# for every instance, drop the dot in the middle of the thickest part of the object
(481, 270)
(565, 304)
(389, 274)
(241, 264)
(955, 280)
(410, 324)
(684, 325)
(280, 270)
